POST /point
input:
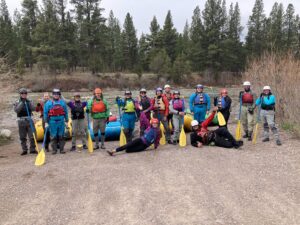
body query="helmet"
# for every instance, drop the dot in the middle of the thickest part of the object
(194, 123)
(224, 91)
(23, 91)
(266, 88)
(167, 86)
(199, 86)
(128, 92)
(97, 91)
(143, 90)
(176, 92)
(159, 89)
(246, 83)
(76, 94)
(154, 120)
(56, 91)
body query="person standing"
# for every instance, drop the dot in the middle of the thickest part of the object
(247, 101)
(267, 102)
(199, 103)
(99, 110)
(128, 106)
(223, 102)
(144, 107)
(169, 95)
(24, 120)
(177, 110)
(55, 116)
(78, 126)
(40, 108)
(160, 107)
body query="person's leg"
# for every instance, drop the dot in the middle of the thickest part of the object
(31, 138)
(223, 133)
(53, 136)
(102, 130)
(250, 118)
(131, 126)
(23, 136)
(61, 139)
(82, 133)
(220, 141)
(270, 117)
(176, 123)
(128, 145)
(75, 124)
(244, 120)
(96, 126)
(265, 125)
(137, 146)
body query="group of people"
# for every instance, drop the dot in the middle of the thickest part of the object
(166, 107)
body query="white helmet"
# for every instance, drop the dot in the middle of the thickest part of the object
(246, 83)
(266, 88)
(167, 86)
(194, 123)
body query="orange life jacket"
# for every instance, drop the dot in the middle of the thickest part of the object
(98, 107)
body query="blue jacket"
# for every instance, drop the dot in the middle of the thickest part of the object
(266, 102)
(206, 100)
(152, 136)
(50, 104)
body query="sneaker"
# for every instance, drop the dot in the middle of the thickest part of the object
(84, 147)
(278, 142)
(241, 143)
(266, 139)
(111, 152)
(73, 148)
(24, 153)
(62, 152)
(96, 147)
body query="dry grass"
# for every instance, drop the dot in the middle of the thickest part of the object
(282, 73)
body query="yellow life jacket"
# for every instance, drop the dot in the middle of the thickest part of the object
(129, 107)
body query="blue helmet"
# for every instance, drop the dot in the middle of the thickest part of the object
(199, 86)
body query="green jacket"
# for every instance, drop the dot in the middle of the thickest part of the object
(98, 115)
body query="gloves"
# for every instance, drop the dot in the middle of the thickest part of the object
(46, 125)
(262, 94)
(117, 98)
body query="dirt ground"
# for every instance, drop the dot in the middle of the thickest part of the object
(258, 184)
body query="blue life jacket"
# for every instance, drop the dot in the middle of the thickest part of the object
(200, 99)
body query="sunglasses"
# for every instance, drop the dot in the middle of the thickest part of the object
(142, 92)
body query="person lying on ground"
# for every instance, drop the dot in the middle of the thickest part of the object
(151, 136)
(221, 137)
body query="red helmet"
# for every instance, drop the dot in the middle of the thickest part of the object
(224, 91)
(154, 120)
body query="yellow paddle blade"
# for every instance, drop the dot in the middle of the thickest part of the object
(238, 131)
(152, 146)
(255, 134)
(162, 140)
(182, 138)
(170, 125)
(221, 119)
(90, 143)
(40, 158)
(122, 138)
(162, 128)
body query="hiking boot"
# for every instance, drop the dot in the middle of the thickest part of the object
(24, 153)
(241, 143)
(85, 147)
(266, 139)
(96, 147)
(54, 152)
(62, 152)
(245, 135)
(103, 147)
(170, 142)
(174, 143)
(278, 142)
(111, 152)
(73, 148)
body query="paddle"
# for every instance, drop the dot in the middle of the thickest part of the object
(41, 157)
(89, 141)
(221, 119)
(238, 131)
(254, 139)
(182, 136)
(122, 135)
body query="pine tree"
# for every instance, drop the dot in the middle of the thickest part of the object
(290, 28)
(143, 54)
(129, 44)
(256, 40)
(169, 37)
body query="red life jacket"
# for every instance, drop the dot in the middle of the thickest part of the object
(56, 110)
(98, 107)
(247, 97)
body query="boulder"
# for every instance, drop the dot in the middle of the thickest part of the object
(5, 133)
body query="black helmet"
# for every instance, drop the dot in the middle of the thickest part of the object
(128, 92)
(23, 91)
(56, 91)
(176, 92)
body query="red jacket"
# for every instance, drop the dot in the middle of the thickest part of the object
(40, 108)
(203, 131)
(166, 103)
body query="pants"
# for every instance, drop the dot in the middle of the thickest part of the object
(200, 112)
(160, 116)
(128, 122)
(24, 131)
(268, 119)
(136, 145)
(57, 131)
(224, 139)
(99, 124)
(170, 118)
(78, 129)
(247, 119)
(177, 123)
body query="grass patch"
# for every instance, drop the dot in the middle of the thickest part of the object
(293, 128)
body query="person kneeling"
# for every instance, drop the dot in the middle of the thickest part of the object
(220, 137)
(151, 136)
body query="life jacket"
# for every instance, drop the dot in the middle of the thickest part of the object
(98, 106)
(178, 104)
(264, 106)
(78, 111)
(23, 112)
(247, 97)
(200, 99)
(169, 96)
(159, 104)
(150, 135)
(57, 109)
(221, 103)
(129, 106)
(145, 102)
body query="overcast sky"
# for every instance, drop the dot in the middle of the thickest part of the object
(143, 11)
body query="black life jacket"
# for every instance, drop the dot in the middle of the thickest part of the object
(77, 111)
(23, 112)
